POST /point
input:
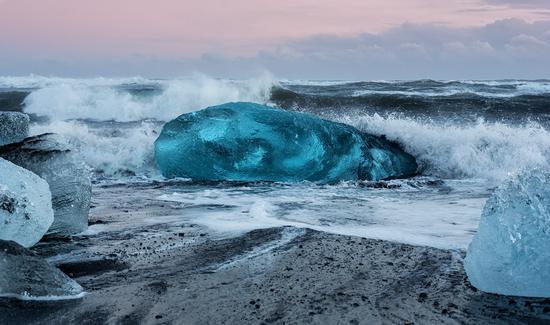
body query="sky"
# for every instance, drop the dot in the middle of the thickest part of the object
(294, 39)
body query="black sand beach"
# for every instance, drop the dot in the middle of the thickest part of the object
(182, 273)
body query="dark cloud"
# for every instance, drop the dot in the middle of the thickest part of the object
(504, 49)
(521, 3)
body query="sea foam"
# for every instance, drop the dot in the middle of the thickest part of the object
(486, 150)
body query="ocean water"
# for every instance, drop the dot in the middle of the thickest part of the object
(467, 136)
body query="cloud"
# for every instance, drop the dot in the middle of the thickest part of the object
(509, 48)
(521, 3)
(504, 49)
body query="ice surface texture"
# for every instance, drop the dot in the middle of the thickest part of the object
(14, 127)
(510, 254)
(252, 142)
(50, 157)
(25, 205)
(29, 277)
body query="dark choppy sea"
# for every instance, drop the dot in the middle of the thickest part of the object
(466, 135)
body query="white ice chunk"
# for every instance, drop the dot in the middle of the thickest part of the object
(510, 254)
(25, 205)
(53, 159)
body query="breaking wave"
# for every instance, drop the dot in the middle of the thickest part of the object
(485, 150)
(128, 101)
(116, 149)
(114, 122)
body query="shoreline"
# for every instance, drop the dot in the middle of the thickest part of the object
(315, 277)
(151, 264)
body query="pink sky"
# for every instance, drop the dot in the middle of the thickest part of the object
(184, 28)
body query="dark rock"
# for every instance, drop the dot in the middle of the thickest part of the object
(27, 276)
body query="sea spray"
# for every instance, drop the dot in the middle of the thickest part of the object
(485, 150)
(114, 123)
(112, 148)
(161, 101)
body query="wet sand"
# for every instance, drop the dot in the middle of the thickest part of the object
(172, 271)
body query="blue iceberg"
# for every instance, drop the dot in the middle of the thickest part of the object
(252, 142)
(510, 254)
